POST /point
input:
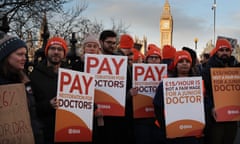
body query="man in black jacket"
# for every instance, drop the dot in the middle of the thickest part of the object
(44, 84)
(119, 130)
(218, 132)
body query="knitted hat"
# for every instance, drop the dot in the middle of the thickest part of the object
(192, 53)
(153, 46)
(56, 40)
(91, 39)
(221, 43)
(179, 55)
(126, 42)
(168, 52)
(153, 51)
(9, 44)
(137, 54)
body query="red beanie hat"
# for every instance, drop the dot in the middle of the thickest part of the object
(221, 43)
(153, 51)
(137, 54)
(153, 46)
(168, 52)
(179, 55)
(56, 40)
(126, 42)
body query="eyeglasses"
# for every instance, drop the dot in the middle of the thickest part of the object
(224, 49)
(153, 57)
(56, 48)
(110, 42)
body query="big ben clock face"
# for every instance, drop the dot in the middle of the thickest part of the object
(166, 24)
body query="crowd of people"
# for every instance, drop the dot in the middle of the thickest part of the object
(118, 130)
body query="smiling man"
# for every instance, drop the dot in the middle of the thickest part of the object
(44, 83)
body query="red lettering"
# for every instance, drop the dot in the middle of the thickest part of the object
(149, 74)
(87, 84)
(91, 63)
(138, 71)
(159, 71)
(105, 67)
(117, 65)
(64, 80)
(76, 85)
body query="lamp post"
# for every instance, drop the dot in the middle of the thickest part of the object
(71, 56)
(196, 41)
(214, 20)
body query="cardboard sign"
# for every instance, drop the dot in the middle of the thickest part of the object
(15, 125)
(74, 117)
(146, 78)
(226, 93)
(184, 106)
(110, 82)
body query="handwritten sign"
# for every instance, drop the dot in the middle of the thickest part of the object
(226, 89)
(146, 78)
(184, 107)
(15, 126)
(74, 117)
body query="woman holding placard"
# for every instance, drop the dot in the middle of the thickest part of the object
(12, 61)
(182, 68)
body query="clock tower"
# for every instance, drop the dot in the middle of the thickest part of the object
(166, 25)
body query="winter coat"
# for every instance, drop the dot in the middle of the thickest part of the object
(35, 123)
(158, 103)
(44, 85)
(214, 62)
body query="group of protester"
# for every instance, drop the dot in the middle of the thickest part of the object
(183, 63)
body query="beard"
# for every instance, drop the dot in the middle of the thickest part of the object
(54, 60)
(108, 50)
(225, 58)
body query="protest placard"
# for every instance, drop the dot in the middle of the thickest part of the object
(146, 78)
(15, 125)
(74, 117)
(226, 90)
(184, 106)
(110, 82)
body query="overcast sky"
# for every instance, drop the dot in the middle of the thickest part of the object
(192, 19)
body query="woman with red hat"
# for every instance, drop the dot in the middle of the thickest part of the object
(182, 68)
(153, 54)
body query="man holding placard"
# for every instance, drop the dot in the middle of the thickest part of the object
(220, 130)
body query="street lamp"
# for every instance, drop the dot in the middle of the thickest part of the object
(214, 20)
(196, 41)
(71, 56)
